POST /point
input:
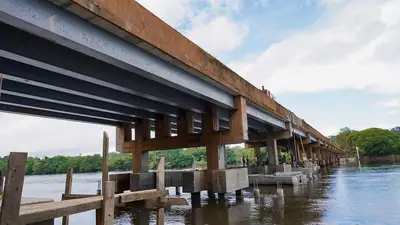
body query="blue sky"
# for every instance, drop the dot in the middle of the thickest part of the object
(334, 63)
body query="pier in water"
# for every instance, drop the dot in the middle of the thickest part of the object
(341, 196)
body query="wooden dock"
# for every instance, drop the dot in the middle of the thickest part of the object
(19, 211)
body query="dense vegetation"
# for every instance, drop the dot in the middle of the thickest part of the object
(175, 159)
(371, 142)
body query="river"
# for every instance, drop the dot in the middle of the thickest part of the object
(370, 195)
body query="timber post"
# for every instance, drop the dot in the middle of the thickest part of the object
(68, 189)
(1, 182)
(11, 201)
(160, 186)
(107, 209)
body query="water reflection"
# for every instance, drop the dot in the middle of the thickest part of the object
(339, 196)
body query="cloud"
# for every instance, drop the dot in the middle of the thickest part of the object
(354, 46)
(208, 23)
(393, 103)
(218, 35)
(173, 12)
(42, 136)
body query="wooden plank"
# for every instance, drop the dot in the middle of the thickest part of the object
(76, 196)
(68, 188)
(164, 202)
(45, 211)
(108, 203)
(11, 201)
(104, 171)
(145, 194)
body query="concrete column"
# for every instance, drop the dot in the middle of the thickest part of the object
(144, 164)
(215, 161)
(272, 148)
(221, 157)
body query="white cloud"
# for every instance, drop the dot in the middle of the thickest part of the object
(393, 103)
(355, 46)
(208, 23)
(218, 35)
(173, 12)
(43, 136)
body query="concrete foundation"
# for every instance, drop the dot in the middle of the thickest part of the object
(142, 181)
(262, 179)
(284, 168)
(230, 180)
(122, 181)
(193, 181)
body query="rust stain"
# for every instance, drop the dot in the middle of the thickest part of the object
(131, 17)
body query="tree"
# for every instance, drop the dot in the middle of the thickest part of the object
(378, 142)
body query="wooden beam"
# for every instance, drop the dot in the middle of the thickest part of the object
(163, 127)
(76, 196)
(237, 132)
(11, 201)
(209, 120)
(145, 194)
(123, 134)
(185, 123)
(263, 136)
(238, 119)
(142, 134)
(313, 145)
(68, 188)
(190, 141)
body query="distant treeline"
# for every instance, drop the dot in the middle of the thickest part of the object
(370, 142)
(174, 159)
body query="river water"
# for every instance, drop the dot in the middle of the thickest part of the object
(370, 195)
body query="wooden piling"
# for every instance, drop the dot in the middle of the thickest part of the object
(108, 203)
(160, 187)
(1, 182)
(11, 201)
(104, 177)
(68, 189)
(105, 161)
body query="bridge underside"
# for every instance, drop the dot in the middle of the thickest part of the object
(55, 64)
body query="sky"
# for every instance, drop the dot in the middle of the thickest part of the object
(332, 62)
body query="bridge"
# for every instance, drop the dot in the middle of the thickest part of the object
(115, 63)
